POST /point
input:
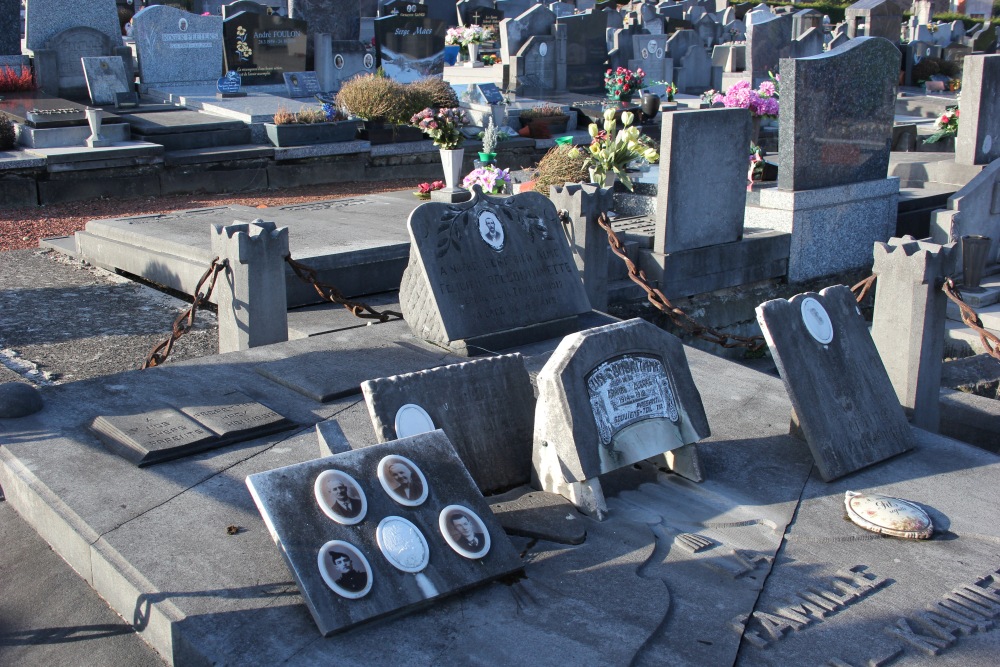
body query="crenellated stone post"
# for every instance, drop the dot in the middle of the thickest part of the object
(585, 203)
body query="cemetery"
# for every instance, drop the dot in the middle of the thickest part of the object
(681, 348)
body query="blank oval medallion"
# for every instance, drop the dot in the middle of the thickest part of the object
(817, 320)
(402, 544)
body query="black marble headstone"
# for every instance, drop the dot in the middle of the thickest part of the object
(303, 529)
(586, 51)
(261, 47)
(410, 48)
(404, 8)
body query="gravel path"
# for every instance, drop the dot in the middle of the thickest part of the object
(21, 228)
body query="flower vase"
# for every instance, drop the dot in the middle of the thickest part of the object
(95, 139)
(451, 160)
(609, 179)
(474, 60)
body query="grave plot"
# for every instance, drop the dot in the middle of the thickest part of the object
(381, 529)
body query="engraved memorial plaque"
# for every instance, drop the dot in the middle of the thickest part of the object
(627, 390)
(152, 436)
(235, 413)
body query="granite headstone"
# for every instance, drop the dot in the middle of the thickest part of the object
(768, 40)
(409, 49)
(339, 19)
(837, 113)
(490, 273)
(485, 407)
(58, 70)
(840, 391)
(262, 48)
(514, 32)
(874, 18)
(44, 19)
(233, 8)
(586, 51)
(176, 47)
(609, 397)
(10, 28)
(393, 563)
(105, 79)
(978, 140)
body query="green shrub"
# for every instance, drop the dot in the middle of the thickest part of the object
(8, 137)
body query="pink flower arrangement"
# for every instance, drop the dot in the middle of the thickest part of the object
(623, 82)
(490, 178)
(424, 190)
(760, 102)
(442, 125)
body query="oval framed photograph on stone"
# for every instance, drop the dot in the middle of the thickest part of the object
(344, 569)
(402, 480)
(340, 497)
(464, 531)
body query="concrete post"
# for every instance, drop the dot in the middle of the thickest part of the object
(908, 326)
(585, 202)
(251, 297)
(323, 59)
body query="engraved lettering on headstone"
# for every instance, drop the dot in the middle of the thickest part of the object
(627, 390)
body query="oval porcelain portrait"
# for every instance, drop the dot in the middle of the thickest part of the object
(464, 531)
(340, 497)
(402, 480)
(344, 569)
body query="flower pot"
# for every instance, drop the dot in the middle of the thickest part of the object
(451, 53)
(474, 60)
(298, 134)
(487, 158)
(451, 160)
(379, 132)
(609, 179)
(556, 124)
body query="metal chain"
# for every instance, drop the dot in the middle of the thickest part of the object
(333, 295)
(862, 288)
(990, 342)
(185, 321)
(678, 316)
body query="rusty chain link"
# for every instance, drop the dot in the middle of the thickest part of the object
(990, 342)
(160, 353)
(333, 295)
(658, 299)
(862, 288)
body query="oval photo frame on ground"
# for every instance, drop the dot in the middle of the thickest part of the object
(392, 487)
(323, 490)
(454, 538)
(326, 568)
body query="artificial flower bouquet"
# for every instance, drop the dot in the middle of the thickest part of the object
(622, 83)
(490, 178)
(442, 125)
(945, 126)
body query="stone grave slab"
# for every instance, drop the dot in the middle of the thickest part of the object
(105, 79)
(177, 47)
(331, 366)
(173, 249)
(46, 18)
(400, 554)
(262, 47)
(42, 111)
(610, 397)
(490, 273)
(840, 125)
(485, 407)
(162, 434)
(839, 388)
(301, 84)
(410, 48)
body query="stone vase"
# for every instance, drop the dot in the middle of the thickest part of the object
(609, 179)
(975, 249)
(451, 160)
(94, 121)
(755, 129)
(474, 53)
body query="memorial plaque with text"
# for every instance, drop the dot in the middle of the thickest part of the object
(410, 48)
(105, 78)
(627, 390)
(483, 270)
(301, 84)
(263, 47)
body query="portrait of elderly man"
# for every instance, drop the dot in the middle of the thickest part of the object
(404, 482)
(343, 504)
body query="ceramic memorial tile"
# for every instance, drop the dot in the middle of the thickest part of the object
(490, 273)
(888, 515)
(839, 389)
(174, 46)
(261, 48)
(105, 79)
(388, 557)
(409, 49)
(485, 407)
(837, 115)
(609, 397)
(164, 433)
(301, 84)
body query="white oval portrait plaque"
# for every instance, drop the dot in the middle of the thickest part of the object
(340, 497)
(402, 480)
(411, 419)
(817, 320)
(402, 544)
(888, 515)
(543, 49)
(491, 230)
(344, 569)
(464, 531)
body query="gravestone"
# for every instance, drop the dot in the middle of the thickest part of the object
(410, 9)
(986, 40)
(768, 40)
(490, 273)
(703, 163)
(973, 210)
(839, 389)
(680, 42)
(956, 53)
(10, 28)
(465, 9)
(44, 19)
(913, 53)
(339, 19)
(515, 8)
(710, 31)
(609, 397)
(340, 60)
(836, 127)
(106, 79)
(804, 19)
(58, 70)
(586, 51)
(650, 54)
(233, 8)
(562, 8)
(176, 47)
(874, 18)
(978, 140)
(514, 32)
(534, 68)
(262, 48)
(193, 425)
(485, 407)
(908, 324)
(302, 84)
(409, 49)
(694, 73)
(393, 563)
(809, 43)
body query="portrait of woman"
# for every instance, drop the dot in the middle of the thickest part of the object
(402, 480)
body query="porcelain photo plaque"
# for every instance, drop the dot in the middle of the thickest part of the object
(888, 515)
(340, 497)
(402, 480)
(344, 569)
(464, 531)
(411, 419)
(402, 544)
